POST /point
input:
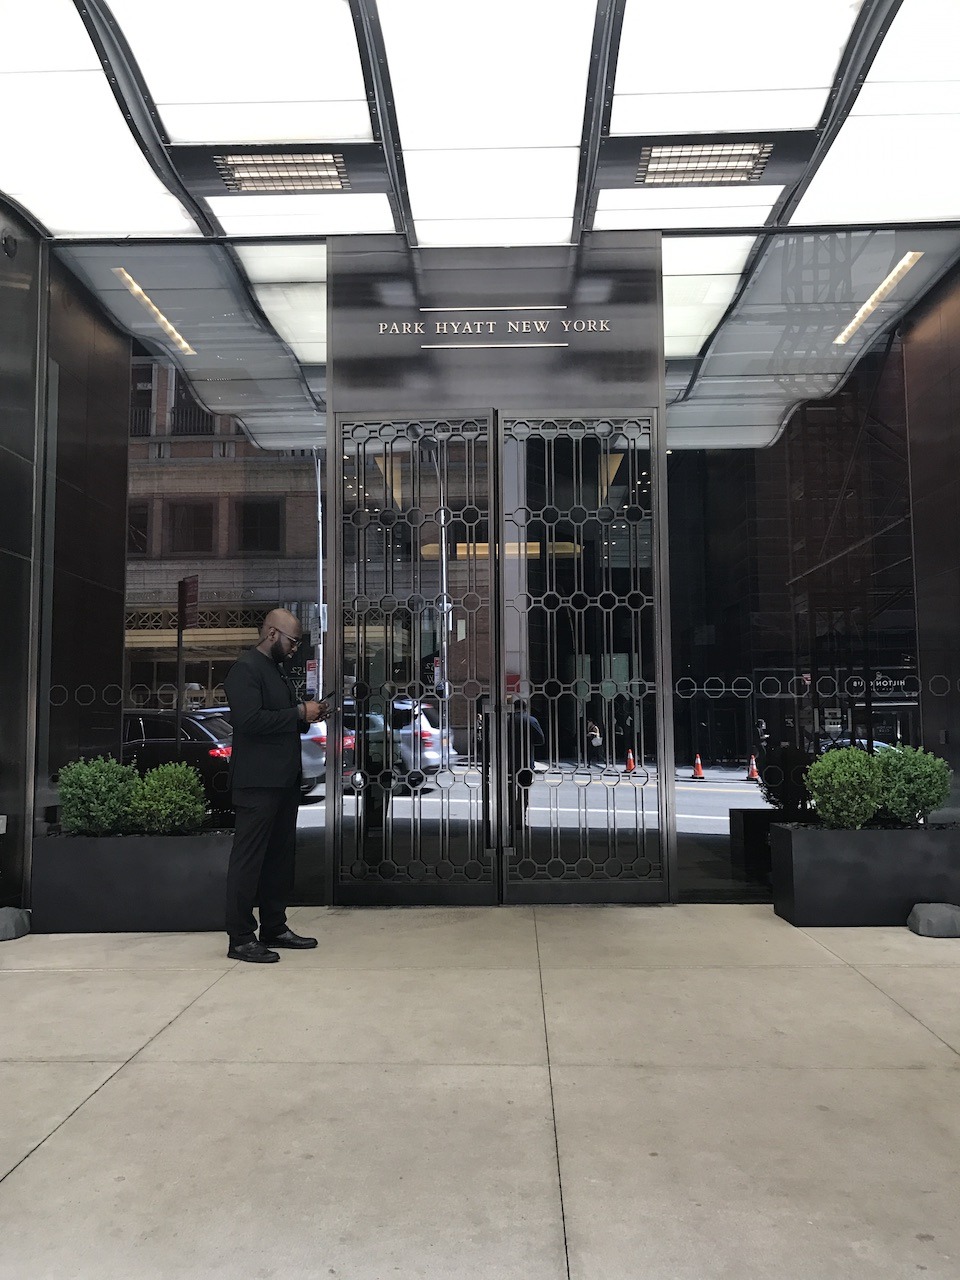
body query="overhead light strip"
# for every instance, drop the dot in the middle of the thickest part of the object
(283, 171)
(702, 163)
(176, 338)
(882, 291)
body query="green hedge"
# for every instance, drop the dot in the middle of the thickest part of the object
(899, 787)
(171, 801)
(102, 797)
(914, 783)
(98, 797)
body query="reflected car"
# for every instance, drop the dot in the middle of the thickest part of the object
(313, 750)
(835, 744)
(422, 743)
(313, 753)
(150, 738)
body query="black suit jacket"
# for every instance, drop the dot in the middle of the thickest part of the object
(266, 724)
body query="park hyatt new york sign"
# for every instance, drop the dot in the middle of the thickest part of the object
(463, 328)
(529, 329)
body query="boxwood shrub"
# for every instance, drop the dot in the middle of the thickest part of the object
(896, 788)
(98, 797)
(845, 786)
(102, 797)
(914, 782)
(171, 801)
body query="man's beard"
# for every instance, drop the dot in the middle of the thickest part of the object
(277, 653)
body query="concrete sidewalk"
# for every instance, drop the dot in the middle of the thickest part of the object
(681, 1093)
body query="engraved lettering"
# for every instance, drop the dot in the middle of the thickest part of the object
(604, 326)
(382, 328)
(525, 326)
(566, 325)
(441, 326)
(541, 326)
(513, 326)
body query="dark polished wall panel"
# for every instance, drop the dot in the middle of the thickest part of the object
(19, 311)
(591, 342)
(86, 530)
(931, 352)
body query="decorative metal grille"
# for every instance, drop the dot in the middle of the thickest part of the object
(579, 613)
(417, 590)
(163, 619)
(490, 637)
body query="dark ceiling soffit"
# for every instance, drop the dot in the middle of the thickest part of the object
(18, 211)
(669, 233)
(376, 77)
(130, 91)
(364, 163)
(620, 156)
(873, 23)
(599, 101)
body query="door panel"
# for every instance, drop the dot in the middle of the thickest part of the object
(416, 660)
(496, 582)
(577, 590)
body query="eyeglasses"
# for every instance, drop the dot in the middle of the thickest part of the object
(295, 644)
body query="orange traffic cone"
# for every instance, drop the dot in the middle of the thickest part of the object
(697, 775)
(752, 774)
(629, 766)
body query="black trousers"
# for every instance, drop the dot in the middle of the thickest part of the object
(261, 860)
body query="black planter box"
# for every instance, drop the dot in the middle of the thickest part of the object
(750, 842)
(129, 884)
(861, 878)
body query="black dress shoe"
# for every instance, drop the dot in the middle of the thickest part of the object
(290, 939)
(254, 952)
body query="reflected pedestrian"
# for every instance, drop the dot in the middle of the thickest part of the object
(524, 735)
(594, 744)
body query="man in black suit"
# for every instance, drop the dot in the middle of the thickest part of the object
(265, 778)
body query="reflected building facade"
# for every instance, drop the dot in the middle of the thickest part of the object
(204, 500)
(814, 585)
(794, 618)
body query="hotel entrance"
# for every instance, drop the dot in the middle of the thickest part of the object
(497, 642)
(497, 736)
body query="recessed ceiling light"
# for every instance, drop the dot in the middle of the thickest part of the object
(701, 164)
(284, 171)
(176, 338)
(882, 291)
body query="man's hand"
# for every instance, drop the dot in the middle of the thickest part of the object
(312, 711)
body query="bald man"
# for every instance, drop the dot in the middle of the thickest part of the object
(265, 779)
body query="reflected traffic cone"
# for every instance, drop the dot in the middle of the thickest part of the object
(697, 775)
(629, 766)
(752, 774)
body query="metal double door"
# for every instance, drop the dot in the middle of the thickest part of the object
(495, 741)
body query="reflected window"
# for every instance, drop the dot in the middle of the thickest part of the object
(259, 526)
(190, 528)
(138, 529)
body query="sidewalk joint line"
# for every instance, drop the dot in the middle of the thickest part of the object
(553, 1104)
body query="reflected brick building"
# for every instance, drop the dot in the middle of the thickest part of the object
(204, 500)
